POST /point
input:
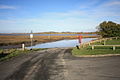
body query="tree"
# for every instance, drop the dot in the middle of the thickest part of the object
(109, 29)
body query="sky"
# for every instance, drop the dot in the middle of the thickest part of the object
(22, 16)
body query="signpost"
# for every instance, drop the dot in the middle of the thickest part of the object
(31, 38)
(23, 46)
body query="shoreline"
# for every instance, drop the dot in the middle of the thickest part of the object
(26, 44)
(8, 42)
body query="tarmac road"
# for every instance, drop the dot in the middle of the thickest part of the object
(59, 64)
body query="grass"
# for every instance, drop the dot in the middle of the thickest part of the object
(98, 50)
(9, 53)
(86, 51)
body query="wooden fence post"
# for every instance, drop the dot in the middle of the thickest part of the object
(92, 47)
(113, 47)
(104, 42)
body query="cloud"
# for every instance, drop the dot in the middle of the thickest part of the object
(7, 7)
(110, 8)
(71, 13)
(93, 10)
(113, 3)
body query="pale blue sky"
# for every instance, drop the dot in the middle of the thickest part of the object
(56, 15)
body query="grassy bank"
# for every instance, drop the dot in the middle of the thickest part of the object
(6, 54)
(99, 50)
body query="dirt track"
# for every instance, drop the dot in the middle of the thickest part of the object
(59, 64)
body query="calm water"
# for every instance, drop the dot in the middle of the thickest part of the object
(61, 43)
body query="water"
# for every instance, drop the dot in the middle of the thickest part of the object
(61, 43)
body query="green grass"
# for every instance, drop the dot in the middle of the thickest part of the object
(9, 53)
(86, 51)
(98, 50)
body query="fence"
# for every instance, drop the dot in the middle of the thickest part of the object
(113, 46)
(98, 40)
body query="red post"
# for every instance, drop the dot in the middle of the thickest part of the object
(80, 39)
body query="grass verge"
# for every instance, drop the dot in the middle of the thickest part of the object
(7, 54)
(88, 51)
(98, 50)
